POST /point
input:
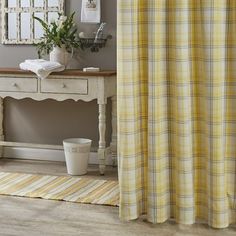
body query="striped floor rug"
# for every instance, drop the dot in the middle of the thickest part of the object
(64, 188)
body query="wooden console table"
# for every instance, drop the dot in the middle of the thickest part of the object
(69, 84)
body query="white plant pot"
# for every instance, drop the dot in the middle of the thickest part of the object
(77, 154)
(60, 55)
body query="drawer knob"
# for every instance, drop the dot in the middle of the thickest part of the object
(63, 86)
(14, 84)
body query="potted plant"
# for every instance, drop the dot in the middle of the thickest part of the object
(59, 38)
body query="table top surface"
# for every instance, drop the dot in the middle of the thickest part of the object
(69, 72)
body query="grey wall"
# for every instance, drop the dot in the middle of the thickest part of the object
(50, 121)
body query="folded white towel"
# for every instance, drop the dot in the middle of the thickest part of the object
(46, 65)
(91, 11)
(42, 68)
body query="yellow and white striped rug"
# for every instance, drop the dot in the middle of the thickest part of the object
(64, 188)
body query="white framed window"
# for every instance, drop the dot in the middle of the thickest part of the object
(18, 24)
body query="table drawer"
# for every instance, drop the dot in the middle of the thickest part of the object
(66, 86)
(27, 85)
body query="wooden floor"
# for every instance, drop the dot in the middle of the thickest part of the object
(51, 168)
(33, 217)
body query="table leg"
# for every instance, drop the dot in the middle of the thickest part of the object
(102, 138)
(113, 144)
(1, 126)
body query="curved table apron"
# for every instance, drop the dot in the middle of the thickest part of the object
(70, 84)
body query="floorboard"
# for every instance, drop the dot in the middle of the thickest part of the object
(36, 217)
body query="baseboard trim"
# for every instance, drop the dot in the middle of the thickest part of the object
(45, 155)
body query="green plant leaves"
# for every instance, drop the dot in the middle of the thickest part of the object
(58, 33)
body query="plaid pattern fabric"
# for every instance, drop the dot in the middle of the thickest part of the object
(177, 110)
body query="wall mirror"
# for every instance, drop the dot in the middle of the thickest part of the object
(18, 24)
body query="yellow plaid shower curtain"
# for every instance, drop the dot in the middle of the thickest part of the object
(177, 110)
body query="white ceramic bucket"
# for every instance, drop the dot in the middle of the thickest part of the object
(60, 55)
(77, 154)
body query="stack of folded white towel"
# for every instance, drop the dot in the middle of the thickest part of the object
(41, 68)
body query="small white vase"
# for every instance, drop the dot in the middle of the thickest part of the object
(60, 55)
